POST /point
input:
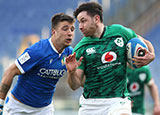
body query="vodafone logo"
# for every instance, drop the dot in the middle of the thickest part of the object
(109, 57)
(134, 87)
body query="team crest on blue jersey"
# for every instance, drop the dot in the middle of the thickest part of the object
(119, 41)
(63, 61)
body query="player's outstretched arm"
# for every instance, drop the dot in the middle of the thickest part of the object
(7, 81)
(155, 96)
(149, 55)
(74, 75)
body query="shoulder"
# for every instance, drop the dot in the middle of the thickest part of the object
(41, 44)
(125, 32)
(79, 45)
(84, 41)
(39, 47)
(69, 49)
(116, 26)
(144, 68)
(119, 27)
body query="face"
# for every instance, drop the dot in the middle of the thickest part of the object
(87, 24)
(64, 33)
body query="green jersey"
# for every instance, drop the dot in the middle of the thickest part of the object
(137, 79)
(104, 62)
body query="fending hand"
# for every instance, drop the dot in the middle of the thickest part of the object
(72, 63)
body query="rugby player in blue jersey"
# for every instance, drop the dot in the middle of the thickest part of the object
(39, 68)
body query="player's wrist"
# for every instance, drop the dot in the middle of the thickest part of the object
(71, 72)
(156, 104)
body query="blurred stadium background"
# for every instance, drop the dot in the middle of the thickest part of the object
(23, 22)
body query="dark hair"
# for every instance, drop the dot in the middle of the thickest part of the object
(92, 9)
(60, 17)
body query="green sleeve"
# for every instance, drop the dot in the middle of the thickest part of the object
(148, 73)
(129, 33)
(126, 32)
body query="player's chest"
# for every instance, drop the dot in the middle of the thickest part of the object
(53, 62)
(136, 81)
(106, 50)
(52, 67)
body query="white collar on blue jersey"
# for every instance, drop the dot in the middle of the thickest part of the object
(54, 47)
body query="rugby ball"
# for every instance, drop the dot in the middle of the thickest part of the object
(134, 48)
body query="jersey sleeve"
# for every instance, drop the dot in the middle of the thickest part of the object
(126, 32)
(130, 33)
(28, 59)
(148, 73)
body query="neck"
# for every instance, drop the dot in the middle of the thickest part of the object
(57, 46)
(99, 30)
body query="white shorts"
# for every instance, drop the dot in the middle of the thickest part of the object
(137, 114)
(109, 106)
(14, 107)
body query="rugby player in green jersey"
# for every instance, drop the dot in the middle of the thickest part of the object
(137, 79)
(101, 57)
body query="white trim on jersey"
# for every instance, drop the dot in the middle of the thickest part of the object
(19, 67)
(54, 47)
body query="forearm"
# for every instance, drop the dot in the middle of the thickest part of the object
(7, 80)
(5, 86)
(73, 80)
(149, 45)
(155, 94)
(74, 75)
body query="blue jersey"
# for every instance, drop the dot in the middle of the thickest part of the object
(41, 67)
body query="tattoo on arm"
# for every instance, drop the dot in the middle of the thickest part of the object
(4, 88)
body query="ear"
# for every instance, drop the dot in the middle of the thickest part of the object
(53, 31)
(97, 18)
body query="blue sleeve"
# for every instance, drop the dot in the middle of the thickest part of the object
(28, 59)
